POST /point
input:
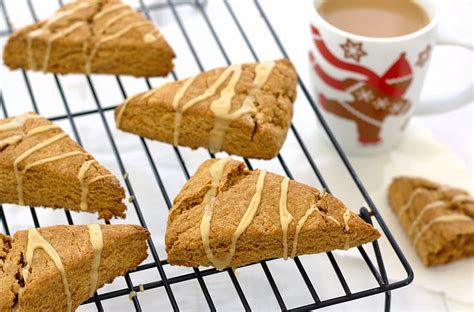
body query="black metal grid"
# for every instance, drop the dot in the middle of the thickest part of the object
(378, 270)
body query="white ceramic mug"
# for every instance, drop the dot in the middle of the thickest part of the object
(368, 88)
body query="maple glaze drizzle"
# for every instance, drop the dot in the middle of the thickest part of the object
(24, 155)
(219, 107)
(97, 242)
(424, 210)
(51, 159)
(114, 19)
(346, 216)
(215, 171)
(285, 215)
(222, 106)
(60, 34)
(45, 29)
(18, 122)
(462, 198)
(85, 184)
(36, 241)
(300, 225)
(333, 220)
(179, 112)
(111, 8)
(10, 141)
(408, 204)
(222, 263)
(440, 219)
(90, 57)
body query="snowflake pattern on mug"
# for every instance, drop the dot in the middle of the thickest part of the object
(364, 95)
(353, 50)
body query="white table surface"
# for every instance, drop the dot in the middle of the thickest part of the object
(451, 67)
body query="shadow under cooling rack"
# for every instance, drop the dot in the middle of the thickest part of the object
(375, 263)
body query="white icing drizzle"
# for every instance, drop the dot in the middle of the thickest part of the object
(111, 8)
(215, 171)
(222, 106)
(116, 35)
(285, 215)
(247, 218)
(18, 122)
(10, 141)
(408, 204)
(424, 210)
(346, 216)
(179, 112)
(96, 238)
(300, 225)
(54, 37)
(36, 241)
(18, 175)
(445, 218)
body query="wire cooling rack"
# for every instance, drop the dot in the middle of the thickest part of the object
(172, 12)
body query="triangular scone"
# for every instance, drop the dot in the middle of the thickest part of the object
(227, 216)
(91, 36)
(244, 110)
(438, 219)
(57, 268)
(40, 165)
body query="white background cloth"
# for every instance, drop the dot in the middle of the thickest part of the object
(439, 147)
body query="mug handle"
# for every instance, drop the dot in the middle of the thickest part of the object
(443, 103)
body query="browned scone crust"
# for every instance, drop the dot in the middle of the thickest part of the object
(54, 184)
(263, 237)
(438, 219)
(128, 54)
(124, 247)
(259, 134)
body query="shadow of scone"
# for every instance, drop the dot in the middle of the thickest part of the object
(61, 273)
(244, 110)
(318, 222)
(438, 219)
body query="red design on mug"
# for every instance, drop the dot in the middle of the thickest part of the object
(373, 97)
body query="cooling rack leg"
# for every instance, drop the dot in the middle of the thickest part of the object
(365, 215)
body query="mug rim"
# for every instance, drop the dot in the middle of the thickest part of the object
(425, 29)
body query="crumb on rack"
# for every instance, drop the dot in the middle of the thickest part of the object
(132, 294)
(131, 198)
(142, 288)
(125, 176)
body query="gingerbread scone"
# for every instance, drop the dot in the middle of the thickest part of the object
(227, 216)
(438, 219)
(57, 268)
(40, 165)
(91, 36)
(244, 110)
